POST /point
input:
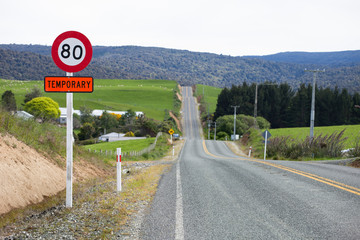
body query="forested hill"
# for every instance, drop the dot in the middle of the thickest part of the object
(33, 62)
(325, 59)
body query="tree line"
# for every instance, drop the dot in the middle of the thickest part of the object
(284, 107)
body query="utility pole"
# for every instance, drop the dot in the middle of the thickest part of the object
(255, 104)
(312, 113)
(235, 121)
(209, 125)
(215, 132)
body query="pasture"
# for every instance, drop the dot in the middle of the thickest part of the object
(126, 146)
(149, 96)
(352, 133)
(211, 95)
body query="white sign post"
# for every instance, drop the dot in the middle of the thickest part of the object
(69, 146)
(71, 52)
(118, 169)
(266, 134)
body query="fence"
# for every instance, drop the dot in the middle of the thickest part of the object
(131, 153)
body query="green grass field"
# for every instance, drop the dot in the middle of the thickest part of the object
(149, 96)
(352, 132)
(211, 95)
(126, 146)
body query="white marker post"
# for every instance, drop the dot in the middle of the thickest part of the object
(266, 137)
(118, 169)
(69, 145)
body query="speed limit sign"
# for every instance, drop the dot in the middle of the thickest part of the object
(71, 51)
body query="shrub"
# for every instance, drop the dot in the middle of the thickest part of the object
(222, 136)
(320, 146)
(86, 131)
(262, 123)
(243, 123)
(43, 107)
(137, 133)
(129, 134)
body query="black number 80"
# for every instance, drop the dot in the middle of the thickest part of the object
(65, 53)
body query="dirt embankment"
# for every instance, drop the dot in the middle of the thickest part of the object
(178, 125)
(26, 176)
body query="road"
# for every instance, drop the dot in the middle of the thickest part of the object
(211, 193)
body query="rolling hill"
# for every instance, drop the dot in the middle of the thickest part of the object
(33, 62)
(325, 59)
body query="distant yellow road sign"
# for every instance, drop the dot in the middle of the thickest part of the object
(171, 131)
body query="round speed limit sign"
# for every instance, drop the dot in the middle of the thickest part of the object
(71, 51)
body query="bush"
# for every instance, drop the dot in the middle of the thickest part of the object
(262, 123)
(137, 133)
(87, 142)
(355, 152)
(43, 107)
(86, 131)
(222, 136)
(129, 134)
(243, 123)
(320, 147)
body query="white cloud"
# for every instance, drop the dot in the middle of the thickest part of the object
(234, 27)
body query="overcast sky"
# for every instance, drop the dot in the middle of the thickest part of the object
(229, 27)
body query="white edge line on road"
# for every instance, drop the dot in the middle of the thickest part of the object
(179, 226)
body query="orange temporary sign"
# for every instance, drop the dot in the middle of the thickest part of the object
(69, 84)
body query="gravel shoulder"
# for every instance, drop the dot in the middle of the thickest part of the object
(99, 211)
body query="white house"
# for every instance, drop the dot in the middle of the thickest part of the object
(95, 112)
(62, 118)
(24, 115)
(112, 137)
(98, 112)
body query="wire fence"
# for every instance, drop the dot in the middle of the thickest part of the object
(130, 153)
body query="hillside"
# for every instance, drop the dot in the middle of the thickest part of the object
(33, 62)
(325, 59)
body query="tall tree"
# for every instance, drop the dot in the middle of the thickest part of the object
(35, 92)
(223, 103)
(8, 101)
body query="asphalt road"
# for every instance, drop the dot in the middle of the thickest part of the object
(211, 193)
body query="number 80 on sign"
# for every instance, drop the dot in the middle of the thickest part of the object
(71, 51)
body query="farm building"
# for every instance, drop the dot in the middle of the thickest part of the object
(95, 112)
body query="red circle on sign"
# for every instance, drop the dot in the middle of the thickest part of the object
(67, 51)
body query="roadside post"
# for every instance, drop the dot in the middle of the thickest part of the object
(71, 52)
(266, 134)
(250, 151)
(118, 169)
(171, 132)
